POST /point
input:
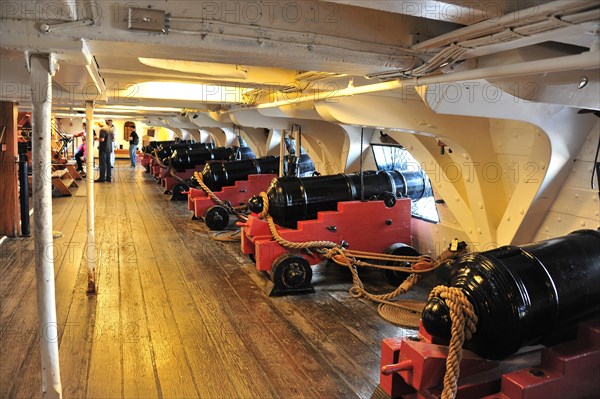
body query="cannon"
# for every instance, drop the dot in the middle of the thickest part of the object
(184, 162)
(149, 149)
(542, 293)
(292, 199)
(148, 158)
(187, 159)
(235, 182)
(328, 208)
(216, 175)
(552, 285)
(148, 153)
(166, 151)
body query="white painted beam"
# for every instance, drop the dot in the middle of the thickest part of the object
(41, 67)
(89, 180)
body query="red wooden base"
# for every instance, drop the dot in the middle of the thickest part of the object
(366, 226)
(168, 181)
(145, 159)
(566, 371)
(199, 201)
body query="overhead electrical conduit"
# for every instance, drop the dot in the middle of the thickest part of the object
(522, 28)
(587, 60)
(528, 17)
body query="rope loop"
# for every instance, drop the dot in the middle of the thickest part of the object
(464, 321)
(403, 312)
(200, 179)
(265, 199)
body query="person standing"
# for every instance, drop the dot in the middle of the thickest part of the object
(134, 140)
(109, 122)
(81, 153)
(105, 149)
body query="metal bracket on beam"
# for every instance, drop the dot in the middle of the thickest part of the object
(47, 28)
(147, 20)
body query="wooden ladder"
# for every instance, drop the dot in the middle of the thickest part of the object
(62, 180)
(71, 166)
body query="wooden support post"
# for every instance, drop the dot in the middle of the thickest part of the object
(41, 67)
(9, 197)
(91, 244)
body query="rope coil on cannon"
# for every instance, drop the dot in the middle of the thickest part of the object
(464, 321)
(231, 209)
(405, 312)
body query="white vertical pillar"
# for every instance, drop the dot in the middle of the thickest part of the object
(298, 149)
(41, 67)
(282, 153)
(89, 160)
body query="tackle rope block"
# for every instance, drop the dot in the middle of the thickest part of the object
(168, 182)
(199, 202)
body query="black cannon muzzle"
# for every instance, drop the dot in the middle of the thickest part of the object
(523, 295)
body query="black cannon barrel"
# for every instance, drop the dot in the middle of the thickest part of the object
(186, 159)
(149, 149)
(167, 150)
(300, 198)
(523, 295)
(217, 175)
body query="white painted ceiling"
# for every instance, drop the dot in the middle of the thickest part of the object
(274, 44)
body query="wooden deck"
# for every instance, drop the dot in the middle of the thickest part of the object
(177, 314)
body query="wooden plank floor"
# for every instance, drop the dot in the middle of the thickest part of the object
(178, 315)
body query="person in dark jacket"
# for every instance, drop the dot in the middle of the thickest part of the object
(134, 140)
(105, 149)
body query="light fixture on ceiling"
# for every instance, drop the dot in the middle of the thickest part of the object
(582, 82)
(195, 92)
(121, 108)
(211, 69)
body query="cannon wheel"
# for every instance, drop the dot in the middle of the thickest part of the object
(216, 217)
(396, 278)
(291, 273)
(177, 192)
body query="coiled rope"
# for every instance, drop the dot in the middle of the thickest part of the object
(158, 161)
(405, 312)
(464, 321)
(231, 209)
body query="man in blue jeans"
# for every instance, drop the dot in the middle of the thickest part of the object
(134, 140)
(105, 149)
